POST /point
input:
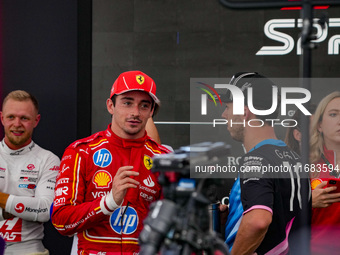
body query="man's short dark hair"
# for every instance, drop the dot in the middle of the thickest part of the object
(21, 95)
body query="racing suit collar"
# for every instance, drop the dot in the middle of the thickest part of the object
(125, 143)
(269, 141)
(20, 151)
(330, 155)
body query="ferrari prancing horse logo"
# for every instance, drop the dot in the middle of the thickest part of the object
(147, 162)
(140, 79)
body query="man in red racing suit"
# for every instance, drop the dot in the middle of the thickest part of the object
(105, 184)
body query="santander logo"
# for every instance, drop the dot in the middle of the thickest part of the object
(149, 182)
(19, 208)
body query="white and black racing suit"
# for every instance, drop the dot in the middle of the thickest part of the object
(28, 175)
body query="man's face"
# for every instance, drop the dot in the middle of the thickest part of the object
(19, 118)
(235, 130)
(130, 114)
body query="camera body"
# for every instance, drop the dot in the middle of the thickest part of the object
(179, 224)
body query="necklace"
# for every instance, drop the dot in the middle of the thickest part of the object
(330, 167)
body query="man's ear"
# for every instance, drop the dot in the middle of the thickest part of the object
(37, 119)
(2, 118)
(109, 105)
(297, 135)
(248, 114)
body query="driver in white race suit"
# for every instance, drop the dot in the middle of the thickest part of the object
(27, 177)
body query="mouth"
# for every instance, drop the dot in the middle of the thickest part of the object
(134, 122)
(17, 132)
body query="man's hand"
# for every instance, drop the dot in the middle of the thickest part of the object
(122, 181)
(7, 215)
(3, 199)
(321, 197)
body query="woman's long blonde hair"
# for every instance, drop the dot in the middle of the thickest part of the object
(316, 139)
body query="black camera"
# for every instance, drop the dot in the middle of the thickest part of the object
(179, 224)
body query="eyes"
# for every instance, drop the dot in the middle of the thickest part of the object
(145, 106)
(142, 105)
(22, 118)
(333, 114)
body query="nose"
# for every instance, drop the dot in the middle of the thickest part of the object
(135, 111)
(17, 122)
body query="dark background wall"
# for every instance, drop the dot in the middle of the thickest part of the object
(174, 41)
(40, 55)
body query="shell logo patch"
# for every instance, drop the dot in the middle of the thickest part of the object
(140, 79)
(148, 162)
(102, 179)
(315, 183)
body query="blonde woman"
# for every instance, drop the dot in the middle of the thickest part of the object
(325, 157)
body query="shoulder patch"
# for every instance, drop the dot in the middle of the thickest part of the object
(155, 147)
(90, 139)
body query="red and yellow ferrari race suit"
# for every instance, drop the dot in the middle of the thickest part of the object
(83, 190)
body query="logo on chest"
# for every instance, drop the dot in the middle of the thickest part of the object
(30, 167)
(102, 179)
(149, 182)
(124, 220)
(102, 158)
(148, 162)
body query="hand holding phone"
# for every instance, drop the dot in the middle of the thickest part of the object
(332, 183)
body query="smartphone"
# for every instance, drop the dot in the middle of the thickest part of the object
(334, 182)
